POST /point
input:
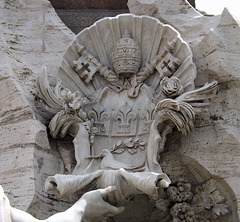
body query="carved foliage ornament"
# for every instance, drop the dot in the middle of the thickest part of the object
(122, 80)
(183, 203)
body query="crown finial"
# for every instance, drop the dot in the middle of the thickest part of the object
(126, 55)
(126, 34)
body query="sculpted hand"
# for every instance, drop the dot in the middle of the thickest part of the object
(96, 208)
(91, 206)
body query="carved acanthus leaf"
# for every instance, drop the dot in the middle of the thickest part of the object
(209, 198)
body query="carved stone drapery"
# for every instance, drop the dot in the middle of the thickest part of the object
(124, 108)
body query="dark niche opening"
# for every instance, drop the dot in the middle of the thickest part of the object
(79, 14)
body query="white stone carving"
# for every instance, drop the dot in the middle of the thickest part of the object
(209, 199)
(122, 91)
(171, 87)
(5, 212)
(182, 212)
(90, 207)
(35, 36)
(185, 203)
(181, 192)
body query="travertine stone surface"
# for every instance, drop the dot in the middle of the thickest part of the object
(31, 35)
(91, 206)
(215, 43)
(125, 83)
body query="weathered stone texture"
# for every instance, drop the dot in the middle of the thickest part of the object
(32, 35)
(214, 145)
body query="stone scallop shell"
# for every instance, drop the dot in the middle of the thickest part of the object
(100, 38)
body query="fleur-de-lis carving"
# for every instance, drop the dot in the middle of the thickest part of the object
(147, 116)
(99, 116)
(125, 116)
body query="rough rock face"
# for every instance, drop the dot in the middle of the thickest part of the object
(215, 42)
(32, 35)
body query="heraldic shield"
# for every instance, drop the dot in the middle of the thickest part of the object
(124, 84)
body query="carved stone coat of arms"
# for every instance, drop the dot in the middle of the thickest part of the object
(124, 84)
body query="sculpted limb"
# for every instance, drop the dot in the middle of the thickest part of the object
(5, 207)
(90, 206)
(96, 207)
